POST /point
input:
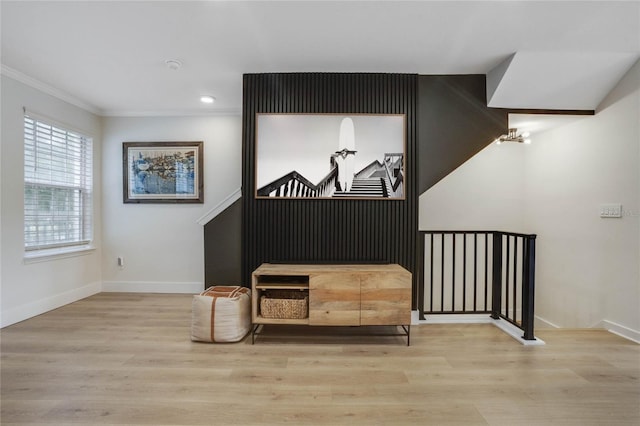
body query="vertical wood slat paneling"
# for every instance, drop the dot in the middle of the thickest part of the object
(329, 230)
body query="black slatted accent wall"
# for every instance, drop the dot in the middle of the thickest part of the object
(329, 230)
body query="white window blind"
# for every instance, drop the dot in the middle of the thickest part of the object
(57, 186)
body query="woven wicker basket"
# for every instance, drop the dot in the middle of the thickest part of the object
(291, 305)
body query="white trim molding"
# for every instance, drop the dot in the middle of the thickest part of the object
(55, 254)
(516, 333)
(503, 325)
(457, 319)
(152, 287)
(543, 323)
(620, 330)
(40, 306)
(73, 100)
(610, 326)
(222, 206)
(48, 89)
(193, 112)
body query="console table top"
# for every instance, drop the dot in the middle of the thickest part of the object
(302, 269)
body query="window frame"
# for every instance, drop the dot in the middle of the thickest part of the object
(79, 183)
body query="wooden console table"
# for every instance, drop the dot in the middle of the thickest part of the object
(338, 295)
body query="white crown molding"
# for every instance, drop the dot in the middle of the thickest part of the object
(66, 97)
(173, 113)
(48, 89)
(222, 206)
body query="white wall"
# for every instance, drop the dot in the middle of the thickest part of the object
(587, 268)
(30, 289)
(588, 265)
(162, 244)
(484, 193)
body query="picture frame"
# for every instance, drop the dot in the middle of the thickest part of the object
(162, 172)
(330, 156)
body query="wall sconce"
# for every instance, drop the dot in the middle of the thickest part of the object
(513, 136)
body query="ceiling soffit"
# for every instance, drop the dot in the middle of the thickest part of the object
(556, 80)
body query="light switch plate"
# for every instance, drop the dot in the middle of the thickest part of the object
(610, 210)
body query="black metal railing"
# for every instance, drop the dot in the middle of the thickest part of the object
(475, 272)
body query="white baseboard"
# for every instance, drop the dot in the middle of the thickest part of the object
(620, 330)
(503, 325)
(457, 319)
(610, 326)
(40, 306)
(516, 333)
(151, 287)
(543, 323)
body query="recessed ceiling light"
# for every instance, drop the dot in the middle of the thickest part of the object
(173, 64)
(206, 99)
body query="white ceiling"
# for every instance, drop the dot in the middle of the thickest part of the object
(109, 56)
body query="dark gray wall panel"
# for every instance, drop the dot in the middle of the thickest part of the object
(328, 230)
(447, 123)
(222, 248)
(454, 123)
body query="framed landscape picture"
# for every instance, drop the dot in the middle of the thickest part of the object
(336, 156)
(162, 172)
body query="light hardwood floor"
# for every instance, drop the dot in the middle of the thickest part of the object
(127, 359)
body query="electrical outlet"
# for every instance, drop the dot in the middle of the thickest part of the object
(611, 210)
